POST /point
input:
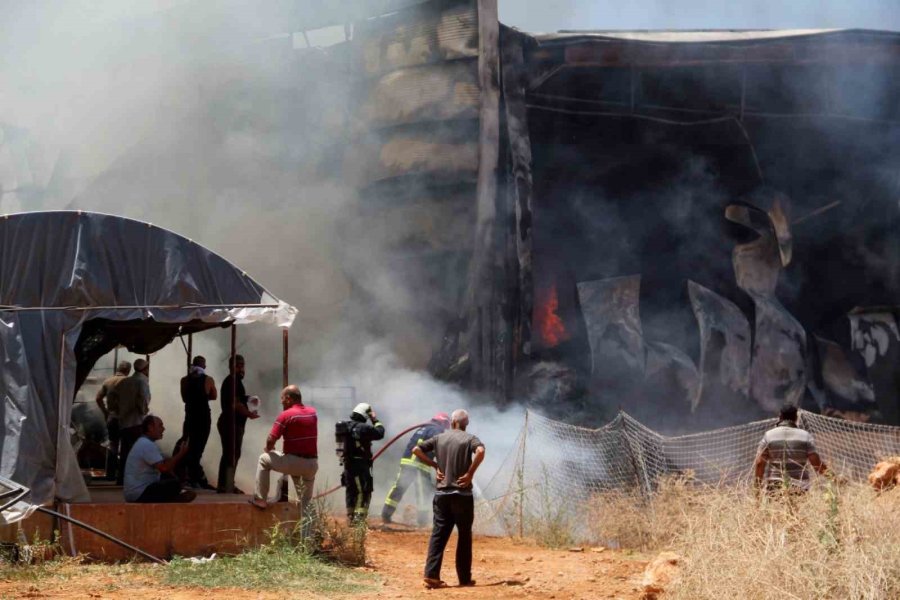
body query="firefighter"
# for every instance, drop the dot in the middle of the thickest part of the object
(415, 472)
(357, 459)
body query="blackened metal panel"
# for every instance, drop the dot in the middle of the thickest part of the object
(724, 344)
(778, 372)
(846, 389)
(876, 337)
(611, 310)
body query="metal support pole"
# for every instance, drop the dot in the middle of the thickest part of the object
(284, 350)
(283, 494)
(521, 476)
(190, 351)
(228, 484)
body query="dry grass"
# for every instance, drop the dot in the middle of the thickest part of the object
(837, 541)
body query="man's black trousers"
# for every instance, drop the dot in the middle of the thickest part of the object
(357, 478)
(112, 457)
(164, 490)
(451, 510)
(127, 438)
(197, 424)
(231, 449)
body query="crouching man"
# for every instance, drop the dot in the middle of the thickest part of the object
(148, 475)
(298, 427)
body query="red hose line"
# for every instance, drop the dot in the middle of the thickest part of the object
(374, 458)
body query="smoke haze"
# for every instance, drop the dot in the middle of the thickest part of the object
(131, 108)
(110, 107)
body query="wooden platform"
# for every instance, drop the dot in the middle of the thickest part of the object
(221, 523)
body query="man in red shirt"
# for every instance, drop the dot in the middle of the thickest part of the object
(298, 428)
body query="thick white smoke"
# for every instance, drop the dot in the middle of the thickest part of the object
(237, 147)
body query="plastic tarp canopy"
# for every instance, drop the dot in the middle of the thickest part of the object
(62, 270)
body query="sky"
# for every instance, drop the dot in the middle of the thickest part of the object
(555, 15)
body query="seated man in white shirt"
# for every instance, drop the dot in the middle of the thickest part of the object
(145, 467)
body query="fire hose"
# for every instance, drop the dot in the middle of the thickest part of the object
(374, 458)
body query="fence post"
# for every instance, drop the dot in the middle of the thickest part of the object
(521, 477)
(636, 457)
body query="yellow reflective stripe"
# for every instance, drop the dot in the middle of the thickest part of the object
(415, 462)
(390, 502)
(359, 493)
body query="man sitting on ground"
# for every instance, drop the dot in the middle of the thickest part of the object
(146, 466)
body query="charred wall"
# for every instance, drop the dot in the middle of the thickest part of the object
(418, 152)
(637, 153)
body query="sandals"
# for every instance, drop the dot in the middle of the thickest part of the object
(433, 584)
(258, 504)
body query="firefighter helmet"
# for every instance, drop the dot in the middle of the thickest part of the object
(363, 410)
(442, 418)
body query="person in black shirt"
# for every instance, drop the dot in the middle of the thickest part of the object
(231, 424)
(357, 475)
(197, 390)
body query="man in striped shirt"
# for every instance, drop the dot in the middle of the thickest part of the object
(783, 454)
(297, 426)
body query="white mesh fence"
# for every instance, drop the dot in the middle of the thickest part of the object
(555, 468)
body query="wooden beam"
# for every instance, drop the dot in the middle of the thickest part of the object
(515, 82)
(481, 273)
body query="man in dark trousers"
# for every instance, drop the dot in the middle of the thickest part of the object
(133, 404)
(357, 475)
(414, 472)
(108, 401)
(197, 390)
(458, 455)
(231, 424)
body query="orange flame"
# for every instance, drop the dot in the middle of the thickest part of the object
(546, 320)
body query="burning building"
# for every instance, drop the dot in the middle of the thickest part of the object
(703, 221)
(675, 223)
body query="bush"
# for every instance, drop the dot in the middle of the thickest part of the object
(836, 541)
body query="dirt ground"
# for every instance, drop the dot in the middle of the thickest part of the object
(503, 569)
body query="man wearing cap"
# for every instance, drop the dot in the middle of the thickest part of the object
(357, 475)
(108, 401)
(297, 426)
(133, 405)
(414, 472)
(783, 454)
